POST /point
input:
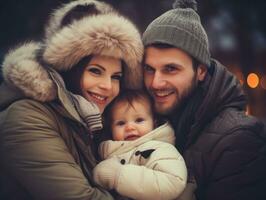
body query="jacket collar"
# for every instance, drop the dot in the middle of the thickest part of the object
(164, 133)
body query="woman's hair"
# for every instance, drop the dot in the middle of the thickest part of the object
(129, 96)
(72, 77)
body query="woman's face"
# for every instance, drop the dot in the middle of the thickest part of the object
(100, 81)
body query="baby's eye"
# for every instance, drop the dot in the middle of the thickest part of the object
(120, 123)
(139, 120)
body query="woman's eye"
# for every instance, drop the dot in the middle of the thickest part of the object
(95, 71)
(117, 77)
(139, 120)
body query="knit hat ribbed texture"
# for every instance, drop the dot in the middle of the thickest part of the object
(180, 27)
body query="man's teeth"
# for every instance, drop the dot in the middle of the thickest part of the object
(162, 93)
(101, 98)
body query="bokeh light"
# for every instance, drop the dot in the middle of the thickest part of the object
(253, 80)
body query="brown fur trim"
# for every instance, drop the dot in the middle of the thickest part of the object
(22, 71)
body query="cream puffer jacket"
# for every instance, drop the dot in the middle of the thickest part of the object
(147, 168)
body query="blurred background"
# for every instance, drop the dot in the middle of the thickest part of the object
(236, 31)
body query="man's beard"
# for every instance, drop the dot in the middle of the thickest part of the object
(180, 101)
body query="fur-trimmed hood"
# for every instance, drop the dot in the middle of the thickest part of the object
(99, 30)
(22, 71)
(106, 33)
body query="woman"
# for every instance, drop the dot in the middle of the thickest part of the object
(52, 98)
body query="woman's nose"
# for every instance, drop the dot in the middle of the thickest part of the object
(106, 83)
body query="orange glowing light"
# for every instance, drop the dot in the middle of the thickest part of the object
(252, 80)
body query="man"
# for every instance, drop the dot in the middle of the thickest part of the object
(224, 149)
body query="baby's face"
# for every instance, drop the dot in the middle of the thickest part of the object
(131, 122)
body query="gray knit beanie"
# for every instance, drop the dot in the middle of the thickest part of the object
(180, 27)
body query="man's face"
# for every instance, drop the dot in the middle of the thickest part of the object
(169, 77)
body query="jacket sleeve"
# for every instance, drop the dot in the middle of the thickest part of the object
(239, 172)
(163, 176)
(35, 154)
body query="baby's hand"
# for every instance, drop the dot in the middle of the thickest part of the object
(107, 172)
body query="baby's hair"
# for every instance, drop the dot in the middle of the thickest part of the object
(129, 96)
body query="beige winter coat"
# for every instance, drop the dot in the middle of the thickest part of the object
(149, 167)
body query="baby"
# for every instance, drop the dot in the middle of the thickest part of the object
(141, 161)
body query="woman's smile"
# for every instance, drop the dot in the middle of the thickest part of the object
(98, 98)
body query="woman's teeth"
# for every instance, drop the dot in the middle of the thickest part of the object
(98, 97)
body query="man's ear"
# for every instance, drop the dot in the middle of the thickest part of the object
(201, 72)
